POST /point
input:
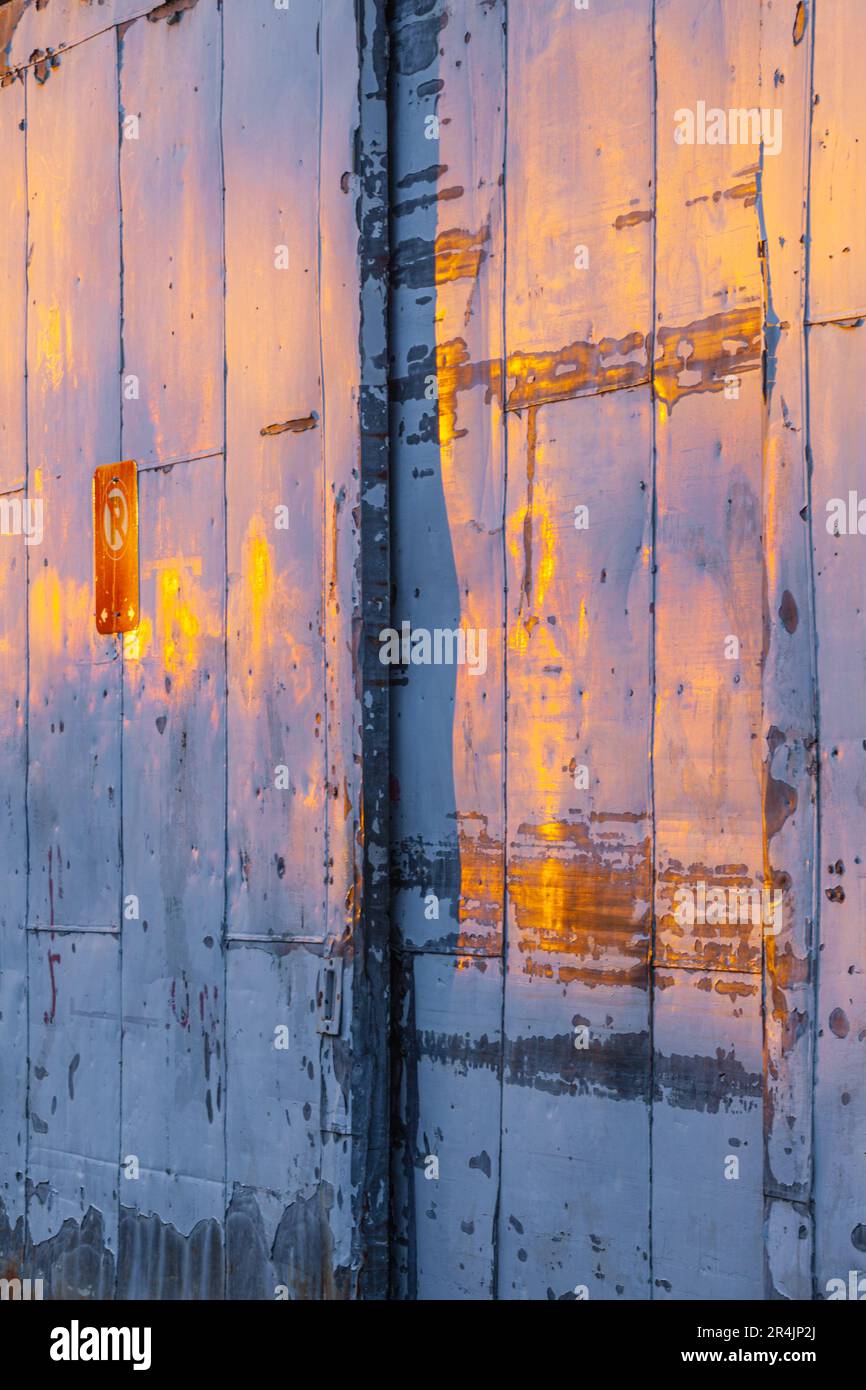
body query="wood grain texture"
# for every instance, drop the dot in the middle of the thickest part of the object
(173, 858)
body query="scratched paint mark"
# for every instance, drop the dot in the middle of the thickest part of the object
(180, 1010)
(298, 426)
(53, 959)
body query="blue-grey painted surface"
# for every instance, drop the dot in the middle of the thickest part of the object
(194, 250)
(380, 297)
(586, 312)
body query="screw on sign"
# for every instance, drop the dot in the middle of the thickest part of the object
(115, 547)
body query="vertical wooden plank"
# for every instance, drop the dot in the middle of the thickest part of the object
(709, 604)
(172, 1181)
(274, 481)
(74, 1106)
(448, 100)
(578, 316)
(74, 415)
(579, 873)
(278, 1224)
(707, 1136)
(580, 191)
(448, 1058)
(171, 197)
(13, 683)
(789, 717)
(353, 247)
(838, 176)
(172, 1125)
(294, 1221)
(446, 342)
(13, 292)
(13, 893)
(838, 430)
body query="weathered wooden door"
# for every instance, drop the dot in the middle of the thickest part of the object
(627, 580)
(624, 396)
(194, 896)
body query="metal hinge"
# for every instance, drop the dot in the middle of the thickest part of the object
(329, 995)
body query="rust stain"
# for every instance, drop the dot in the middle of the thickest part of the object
(732, 989)
(459, 254)
(481, 882)
(631, 219)
(799, 22)
(455, 373)
(578, 368)
(576, 890)
(304, 422)
(745, 191)
(698, 356)
(724, 945)
(531, 449)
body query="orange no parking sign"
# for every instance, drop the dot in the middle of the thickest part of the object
(115, 546)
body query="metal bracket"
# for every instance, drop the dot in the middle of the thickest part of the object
(329, 995)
